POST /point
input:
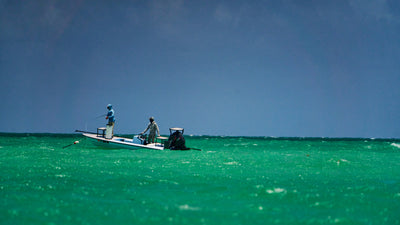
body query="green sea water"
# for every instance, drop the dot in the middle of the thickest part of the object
(233, 180)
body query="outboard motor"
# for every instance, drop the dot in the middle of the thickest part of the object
(176, 141)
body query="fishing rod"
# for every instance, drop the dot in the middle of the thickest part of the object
(101, 115)
(91, 120)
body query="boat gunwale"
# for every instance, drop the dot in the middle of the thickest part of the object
(114, 142)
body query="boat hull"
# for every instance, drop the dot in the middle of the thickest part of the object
(121, 142)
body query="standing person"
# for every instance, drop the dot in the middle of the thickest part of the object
(110, 117)
(153, 130)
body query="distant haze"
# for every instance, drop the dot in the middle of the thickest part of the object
(234, 68)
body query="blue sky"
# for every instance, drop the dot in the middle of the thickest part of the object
(235, 68)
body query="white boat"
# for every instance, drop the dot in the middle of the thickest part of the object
(100, 138)
(104, 138)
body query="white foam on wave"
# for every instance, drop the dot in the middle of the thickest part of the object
(338, 161)
(276, 191)
(46, 148)
(61, 175)
(231, 163)
(169, 182)
(395, 145)
(188, 208)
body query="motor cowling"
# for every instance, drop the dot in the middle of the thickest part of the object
(176, 141)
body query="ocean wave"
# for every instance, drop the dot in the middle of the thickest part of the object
(169, 182)
(61, 175)
(338, 161)
(46, 148)
(232, 163)
(395, 145)
(188, 208)
(276, 191)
